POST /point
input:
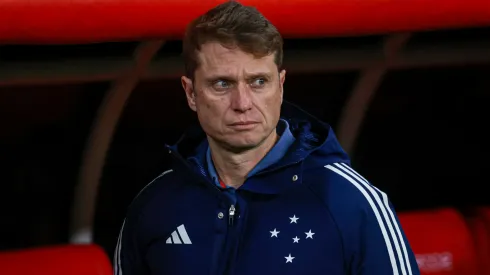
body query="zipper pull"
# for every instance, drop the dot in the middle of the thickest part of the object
(231, 216)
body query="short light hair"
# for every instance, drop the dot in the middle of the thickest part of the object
(232, 25)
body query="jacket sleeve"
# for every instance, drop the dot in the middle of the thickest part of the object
(374, 242)
(384, 248)
(131, 248)
(128, 255)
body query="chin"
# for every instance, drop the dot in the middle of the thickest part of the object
(244, 142)
(242, 145)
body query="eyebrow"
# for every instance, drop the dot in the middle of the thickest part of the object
(266, 75)
(213, 78)
(217, 77)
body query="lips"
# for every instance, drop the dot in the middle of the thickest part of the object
(243, 123)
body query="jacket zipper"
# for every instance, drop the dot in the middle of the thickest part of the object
(231, 215)
(231, 210)
(230, 241)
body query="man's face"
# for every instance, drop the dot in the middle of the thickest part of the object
(237, 97)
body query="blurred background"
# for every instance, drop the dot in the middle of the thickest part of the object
(410, 108)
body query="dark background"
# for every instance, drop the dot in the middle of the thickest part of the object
(424, 140)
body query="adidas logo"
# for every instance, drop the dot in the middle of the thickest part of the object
(179, 236)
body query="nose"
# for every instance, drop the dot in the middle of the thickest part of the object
(241, 100)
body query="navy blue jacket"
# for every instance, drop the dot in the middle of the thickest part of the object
(309, 213)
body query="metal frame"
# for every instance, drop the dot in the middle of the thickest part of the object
(99, 141)
(304, 61)
(360, 99)
(125, 72)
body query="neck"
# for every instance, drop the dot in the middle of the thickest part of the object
(233, 167)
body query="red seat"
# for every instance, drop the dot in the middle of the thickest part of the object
(441, 242)
(56, 260)
(478, 220)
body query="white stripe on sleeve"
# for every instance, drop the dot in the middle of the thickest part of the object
(117, 253)
(392, 216)
(389, 246)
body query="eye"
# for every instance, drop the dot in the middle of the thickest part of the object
(221, 84)
(258, 82)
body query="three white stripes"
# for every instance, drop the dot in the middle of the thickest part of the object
(355, 179)
(174, 238)
(362, 185)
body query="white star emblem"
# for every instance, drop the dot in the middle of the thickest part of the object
(294, 219)
(295, 239)
(289, 259)
(274, 233)
(309, 234)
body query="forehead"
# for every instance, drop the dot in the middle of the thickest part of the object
(217, 59)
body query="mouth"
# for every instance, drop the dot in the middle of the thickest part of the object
(244, 125)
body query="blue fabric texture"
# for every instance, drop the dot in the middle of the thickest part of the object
(302, 210)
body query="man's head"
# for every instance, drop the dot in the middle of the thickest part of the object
(234, 80)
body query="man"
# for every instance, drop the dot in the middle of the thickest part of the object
(261, 187)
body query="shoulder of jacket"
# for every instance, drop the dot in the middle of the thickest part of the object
(152, 190)
(345, 192)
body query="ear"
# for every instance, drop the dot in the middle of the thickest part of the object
(282, 78)
(189, 92)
